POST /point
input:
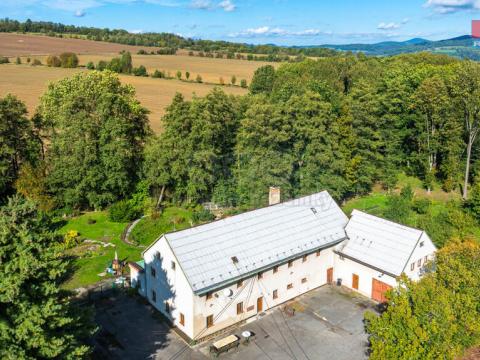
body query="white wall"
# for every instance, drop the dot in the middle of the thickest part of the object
(424, 248)
(344, 269)
(314, 270)
(137, 280)
(170, 286)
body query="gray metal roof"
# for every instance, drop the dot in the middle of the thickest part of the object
(258, 239)
(380, 243)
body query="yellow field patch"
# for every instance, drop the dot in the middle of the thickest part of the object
(30, 82)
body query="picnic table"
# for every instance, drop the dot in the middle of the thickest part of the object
(225, 344)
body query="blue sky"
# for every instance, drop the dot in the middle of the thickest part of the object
(286, 22)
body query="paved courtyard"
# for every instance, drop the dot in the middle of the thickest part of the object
(328, 324)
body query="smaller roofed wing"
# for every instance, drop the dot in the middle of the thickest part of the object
(380, 243)
(219, 252)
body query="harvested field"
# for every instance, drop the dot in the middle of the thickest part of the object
(29, 83)
(25, 44)
(211, 70)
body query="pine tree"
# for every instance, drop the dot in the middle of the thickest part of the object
(37, 318)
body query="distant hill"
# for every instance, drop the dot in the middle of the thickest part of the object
(461, 46)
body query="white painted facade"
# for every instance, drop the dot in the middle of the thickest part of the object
(368, 247)
(171, 286)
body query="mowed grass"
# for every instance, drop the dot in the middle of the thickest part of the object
(30, 82)
(93, 259)
(149, 229)
(90, 263)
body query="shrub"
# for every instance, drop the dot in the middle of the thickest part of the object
(158, 74)
(123, 211)
(36, 62)
(53, 61)
(140, 71)
(202, 215)
(190, 53)
(28, 60)
(4, 60)
(69, 60)
(198, 79)
(90, 66)
(18, 61)
(141, 52)
(179, 74)
(70, 239)
(233, 80)
(187, 75)
(102, 65)
(243, 83)
(421, 206)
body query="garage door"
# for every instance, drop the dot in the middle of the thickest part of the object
(378, 290)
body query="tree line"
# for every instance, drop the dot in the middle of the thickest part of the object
(162, 40)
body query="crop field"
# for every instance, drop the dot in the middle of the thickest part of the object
(29, 83)
(26, 44)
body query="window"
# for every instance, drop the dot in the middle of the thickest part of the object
(318, 253)
(209, 295)
(209, 321)
(182, 319)
(275, 269)
(153, 272)
(157, 255)
(422, 243)
(425, 259)
(240, 308)
(167, 308)
(239, 284)
(260, 275)
(275, 294)
(173, 265)
(419, 262)
(154, 296)
(412, 266)
(304, 258)
(289, 286)
(304, 280)
(290, 263)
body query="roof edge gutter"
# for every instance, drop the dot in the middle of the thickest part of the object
(233, 280)
(365, 264)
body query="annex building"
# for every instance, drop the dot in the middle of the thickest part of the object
(214, 275)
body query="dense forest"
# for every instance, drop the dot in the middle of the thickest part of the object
(164, 40)
(345, 124)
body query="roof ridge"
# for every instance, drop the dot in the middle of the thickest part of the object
(381, 219)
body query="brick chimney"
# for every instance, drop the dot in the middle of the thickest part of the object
(274, 195)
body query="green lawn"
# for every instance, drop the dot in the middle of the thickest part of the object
(149, 229)
(90, 263)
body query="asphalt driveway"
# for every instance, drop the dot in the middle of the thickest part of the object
(328, 324)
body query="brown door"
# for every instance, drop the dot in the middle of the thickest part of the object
(378, 290)
(260, 304)
(330, 275)
(355, 281)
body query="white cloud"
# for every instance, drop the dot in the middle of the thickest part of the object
(79, 13)
(201, 4)
(227, 5)
(451, 6)
(267, 31)
(136, 31)
(388, 26)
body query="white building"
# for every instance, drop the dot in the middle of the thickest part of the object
(212, 276)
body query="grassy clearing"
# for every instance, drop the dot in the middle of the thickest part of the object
(149, 229)
(92, 259)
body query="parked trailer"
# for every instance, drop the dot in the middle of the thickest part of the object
(225, 344)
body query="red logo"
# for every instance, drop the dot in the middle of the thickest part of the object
(476, 29)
